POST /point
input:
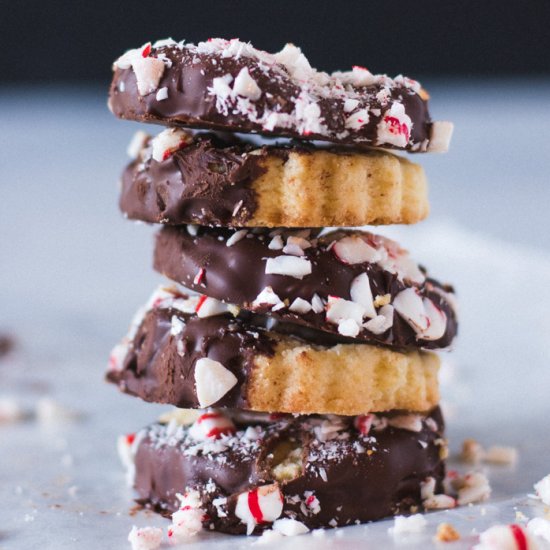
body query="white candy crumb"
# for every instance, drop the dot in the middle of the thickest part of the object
(236, 237)
(186, 523)
(145, 538)
(291, 266)
(404, 525)
(542, 489)
(540, 527)
(162, 94)
(472, 488)
(289, 527)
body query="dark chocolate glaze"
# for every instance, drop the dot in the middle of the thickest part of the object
(190, 104)
(367, 477)
(236, 275)
(201, 183)
(156, 370)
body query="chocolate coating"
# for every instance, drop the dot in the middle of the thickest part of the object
(156, 370)
(200, 184)
(189, 74)
(236, 274)
(367, 477)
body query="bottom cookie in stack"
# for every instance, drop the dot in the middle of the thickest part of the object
(239, 472)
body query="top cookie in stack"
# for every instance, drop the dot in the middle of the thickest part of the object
(290, 317)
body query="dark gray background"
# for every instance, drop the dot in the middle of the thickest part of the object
(73, 41)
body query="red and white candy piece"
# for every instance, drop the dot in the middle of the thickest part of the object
(165, 144)
(261, 505)
(427, 320)
(187, 521)
(267, 298)
(355, 250)
(473, 487)
(145, 538)
(212, 381)
(357, 120)
(148, 70)
(208, 307)
(395, 127)
(127, 446)
(211, 425)
(312, 502)
(506, 537)
(363, 423)
(430, 500)
(410, 422)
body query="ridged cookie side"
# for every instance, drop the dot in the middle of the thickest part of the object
(333, 189)
(346, 379)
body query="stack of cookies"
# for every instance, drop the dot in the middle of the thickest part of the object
(299, 358)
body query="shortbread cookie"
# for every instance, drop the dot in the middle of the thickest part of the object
(231, 86)
(178, 178)
(349, 283)
(246, 475)
(195, 360)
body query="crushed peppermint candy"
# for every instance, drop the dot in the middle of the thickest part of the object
(405, 525)
(432, 501)
(212, 381)
(145, 538)
(261, 505)
(291, 266)
(471, 488)
(289, 527)
(187, 520)
(165, 144)
(542, 489)
(212, 424)
(506, 537)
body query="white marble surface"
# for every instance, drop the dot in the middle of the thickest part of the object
(72, 272)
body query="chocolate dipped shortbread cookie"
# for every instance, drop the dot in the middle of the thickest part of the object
(238, 473)
(348, 283)
(231, 86)
(192, 352)
(206, 179)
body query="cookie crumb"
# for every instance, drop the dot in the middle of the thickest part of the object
(446, 533)
(472, 451)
